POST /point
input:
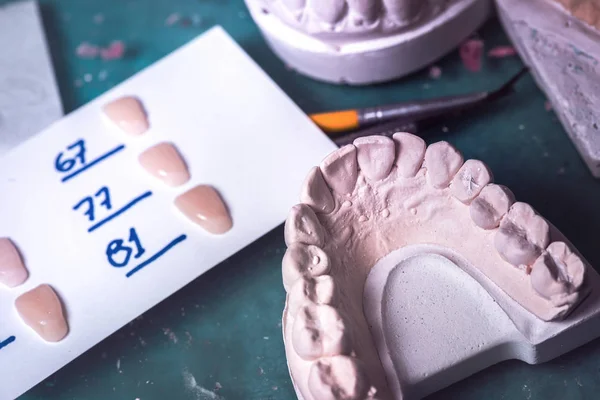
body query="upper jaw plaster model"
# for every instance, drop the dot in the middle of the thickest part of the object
(407, 270)
(365, 41)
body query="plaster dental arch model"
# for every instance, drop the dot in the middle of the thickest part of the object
(365, 41)
(407, 270)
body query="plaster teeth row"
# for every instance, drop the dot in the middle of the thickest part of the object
(320, 333)
(521, 235)
(331, 14)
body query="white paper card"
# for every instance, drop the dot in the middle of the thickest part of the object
(237, 132)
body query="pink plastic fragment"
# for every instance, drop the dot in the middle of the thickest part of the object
(435, 72)
(115, 51)
(470, 53)
(87, 50)
(172, 19)
(502, 51)
(547, 106)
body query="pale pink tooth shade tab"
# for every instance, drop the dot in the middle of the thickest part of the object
(128, 114)
(163, 161)
(42, 311)
(12, 270)
(204, 206)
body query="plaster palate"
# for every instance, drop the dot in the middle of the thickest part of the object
(410, 284)
(164, 162)
(42, 310)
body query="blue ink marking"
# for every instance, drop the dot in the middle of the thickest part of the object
(155, 257)
(68, 164)
(93, 163)
(116, 246)
(106, 202)
(121, 211)
(7, 342)
(90, 207)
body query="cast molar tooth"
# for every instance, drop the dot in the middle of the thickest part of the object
(409, 154)
(319, 331)
(302, 226)
(367, 9)
(294, 5)
(330, 11)
(315, 192)
(340, 170)
(303, 260)
(522, 236)
(339, 378)
(470, 179)
(442, 161)
(12, 270)
(317, 290)
(41, 310)
(558, 274)
(491, 205)
(375, 155)
(403, 11)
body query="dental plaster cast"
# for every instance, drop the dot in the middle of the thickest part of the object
(560, 41)
(42, 311)
(365, 41)
(12, 270)
(407, 270)
(204, 206)
(128, 114)
(164, 162)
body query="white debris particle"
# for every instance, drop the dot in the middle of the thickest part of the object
(199, 392)
(266, 337)
(118, 364)
(88, 77)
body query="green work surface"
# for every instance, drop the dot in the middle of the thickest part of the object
(220, 337)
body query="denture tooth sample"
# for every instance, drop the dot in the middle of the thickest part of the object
(301, 260)
(442, 161)
(366, 9)
(330, 11)
(340, 169)
(491, 205)
(164, 162)
(12, 270)
(128, 114)
(204, 206)
(558, 274)
(315, 192)
(410, 152)
(319, 331)
(316, 290)
(403, 11)
(302, 226)
(522, 235)
(41, 310)
(471, 178)
(375, 155)
(338, 378)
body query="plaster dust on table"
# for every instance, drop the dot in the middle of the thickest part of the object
(199, 392)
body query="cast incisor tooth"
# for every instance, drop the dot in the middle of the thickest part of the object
(340, 169)
(315, 192)
(442, 161)
(128, 114)
(403, 11)
(522, 236)
(410, 151)
(339, 378)
(329, 11)
(317, 290)
(367, 9)
(303, 260)
(470, 179)
(319, 331)
(303, 226)
(558, 274)
(488, 209)
(294, 5)
(375, 155)
(42, 311)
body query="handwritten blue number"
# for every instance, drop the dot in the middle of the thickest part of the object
(90, 203)
(63, 164)
(117, 247)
